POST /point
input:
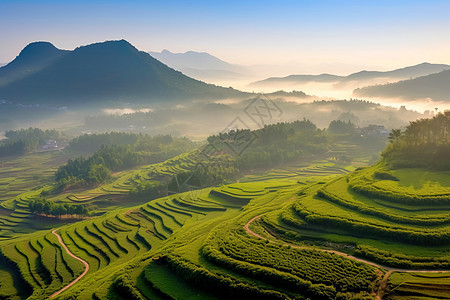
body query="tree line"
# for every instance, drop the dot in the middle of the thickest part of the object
(42, 206)
(142, 149)
(271, 145)
(424, 143)
(23, 141)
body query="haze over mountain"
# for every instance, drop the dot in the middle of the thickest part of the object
(433, 86)
(201, 65)
(108, 71)
(362, 76)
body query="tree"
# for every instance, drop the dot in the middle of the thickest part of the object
(98, 174)
(394, 135)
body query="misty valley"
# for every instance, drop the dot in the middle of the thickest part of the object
(132, 174)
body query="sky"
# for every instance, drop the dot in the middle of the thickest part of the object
(382, 34)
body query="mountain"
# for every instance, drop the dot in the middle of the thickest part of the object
(32, 58)
(434, 86)
(109, 71)
(200, 65)
(403, 73)
(323, 78)
(398, 74)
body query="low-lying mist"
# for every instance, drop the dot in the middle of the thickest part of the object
(199, 120)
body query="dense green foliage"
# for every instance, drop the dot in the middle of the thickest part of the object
(92, 142)
(271, 145)
(425, 143)
(117, 151)
(119, 71)
(149, 190)
(285, 234)
(338, 126)
(26, 140)
(214, 172)
(41, 206)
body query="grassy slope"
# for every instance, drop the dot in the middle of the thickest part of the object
(121, 246)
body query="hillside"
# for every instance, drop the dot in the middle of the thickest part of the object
(434, 86)
(309, 226)
(267, 237)
(108, 71)
(32, 58)
(397, 74)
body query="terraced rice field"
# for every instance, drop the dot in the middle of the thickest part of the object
(107, 243)
(16, 219)
(103, 242)
(19, 174)
(307, 225)
(399, 223)
(323, 168)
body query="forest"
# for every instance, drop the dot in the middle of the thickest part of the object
(424, 143)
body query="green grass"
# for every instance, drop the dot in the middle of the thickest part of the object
(193, 246)
(419, 286)
(167, 283)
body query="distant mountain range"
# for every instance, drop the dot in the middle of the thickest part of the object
(363, 76)
(110, 71)
(201, 65)
(434, 86)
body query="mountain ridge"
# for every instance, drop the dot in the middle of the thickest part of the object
(107, 71)
(200, 65)
(434, 86)
(418, 70)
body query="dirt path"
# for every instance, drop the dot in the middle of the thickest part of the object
(77, 258)
(383, 282)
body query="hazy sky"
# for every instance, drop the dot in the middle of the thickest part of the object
(387, 34)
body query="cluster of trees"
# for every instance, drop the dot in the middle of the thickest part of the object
(16, 148)
(209, 173)
(341, 127)
(424, 143)
(42, 206)
(149, 190)
(33, 133)
(98, 167)
(23, 141)
(88, 143)
(271, 145)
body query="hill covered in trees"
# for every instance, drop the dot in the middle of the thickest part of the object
(114, 152)
(102, 72)
(425, 143)
(434, 86)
